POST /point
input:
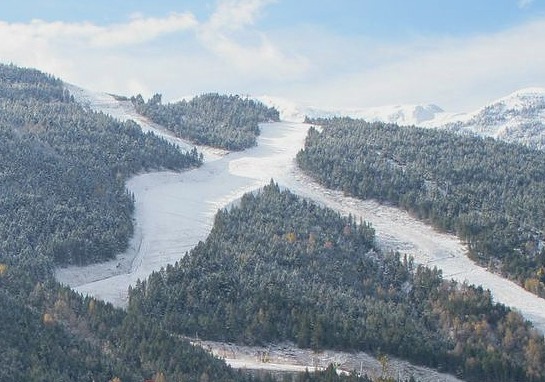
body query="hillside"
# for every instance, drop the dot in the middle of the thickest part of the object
(63, 200)
(277, 268)
(196, 195)
(227, 122)
(518, 118)
(62, 162)
(63, 170)
(489, 193)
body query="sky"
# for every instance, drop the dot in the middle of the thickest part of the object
(459, 55)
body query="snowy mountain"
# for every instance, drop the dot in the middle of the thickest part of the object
(399, 114)
(519, 118)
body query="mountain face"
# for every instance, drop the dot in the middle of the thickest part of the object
(518, 118)
(398, 114)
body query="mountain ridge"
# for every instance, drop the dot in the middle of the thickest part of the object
(517, 118)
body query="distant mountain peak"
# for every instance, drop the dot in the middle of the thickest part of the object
(523, 98)
(528, 91)
(518, 117)
(402, 114)
(399, 114)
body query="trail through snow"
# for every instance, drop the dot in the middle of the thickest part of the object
(174, 211)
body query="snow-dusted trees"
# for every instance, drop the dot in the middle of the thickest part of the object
(492, 194)
(63, 200)
(229, 122)
(62, 172)
(280, 268)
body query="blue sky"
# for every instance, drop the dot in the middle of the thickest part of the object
(384, 19)
(326, 53)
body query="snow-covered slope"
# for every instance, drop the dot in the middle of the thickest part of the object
(174, 211)
(518, 117)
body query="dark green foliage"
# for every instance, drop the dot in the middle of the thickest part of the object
(279, 268)
(62, 172)
(229, 122)
(36, 348)
(330, 375)
(18, 84)
(489, 193)
(63, 200)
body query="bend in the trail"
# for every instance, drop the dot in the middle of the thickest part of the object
(174, 211)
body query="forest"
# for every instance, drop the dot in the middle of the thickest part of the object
(228, 122)
(63, 201)
(489, 193)
(274, 268)
(280, 268)
(63, 170)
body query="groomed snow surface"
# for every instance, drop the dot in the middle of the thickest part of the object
(174, 211)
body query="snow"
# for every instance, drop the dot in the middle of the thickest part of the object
(520, 98)
(174, 211)
(399, 114)
(287, 357)
(517, 118)
(124, 111)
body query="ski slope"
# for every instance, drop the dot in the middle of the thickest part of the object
(174, 211)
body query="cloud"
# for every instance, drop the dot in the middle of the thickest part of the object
(460, 74)
(228, 35)
(225, 48)
(136, 31)
(230, 52)
(141, 29)
(115, 57)
(236, 14)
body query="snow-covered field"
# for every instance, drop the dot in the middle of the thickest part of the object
(174, 211)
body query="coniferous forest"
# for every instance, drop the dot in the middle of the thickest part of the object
(489, 193)
(274, 268)
(279, 268)
(228, 122)
(63, 201)
(63, 172)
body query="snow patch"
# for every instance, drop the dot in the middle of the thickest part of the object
(287, 357)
